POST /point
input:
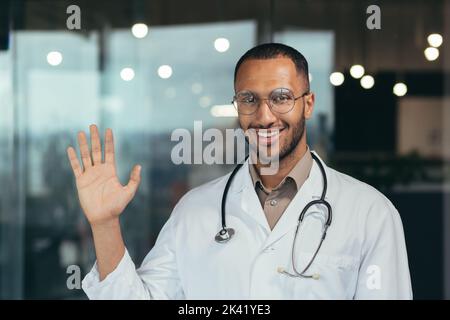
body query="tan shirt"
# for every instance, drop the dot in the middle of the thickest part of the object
(274, 203)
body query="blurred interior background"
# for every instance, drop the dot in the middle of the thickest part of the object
(147, 67)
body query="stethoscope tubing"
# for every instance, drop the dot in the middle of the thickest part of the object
(225, 234)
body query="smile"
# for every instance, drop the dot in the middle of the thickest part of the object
(269, 136)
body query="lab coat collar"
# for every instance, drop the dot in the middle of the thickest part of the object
(250, 204)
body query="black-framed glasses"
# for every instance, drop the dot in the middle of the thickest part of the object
(281, 100)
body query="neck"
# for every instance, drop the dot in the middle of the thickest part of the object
(285, 166)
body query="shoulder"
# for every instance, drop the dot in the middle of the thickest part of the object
(365, 208)
(364, 197)
(343, 183)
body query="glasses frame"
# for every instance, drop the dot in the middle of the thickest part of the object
(234, 102)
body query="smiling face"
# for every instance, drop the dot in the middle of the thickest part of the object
(280, 135)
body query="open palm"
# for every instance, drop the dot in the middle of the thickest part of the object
(102, 196)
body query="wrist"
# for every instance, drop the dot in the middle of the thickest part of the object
(108, 224)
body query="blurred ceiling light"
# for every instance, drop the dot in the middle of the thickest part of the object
(357, 71)
(431, 53)
(400, 89)
(139, 30)
(435, 40)
(204, 101)
(112, 103)
(196, 88)
(221, 44)
(165, 71)
(54, 58)
(367, 82)
(127, 74)
(336, 78)
(170, 93)
(227, 110)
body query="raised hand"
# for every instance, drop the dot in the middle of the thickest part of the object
(102, 197)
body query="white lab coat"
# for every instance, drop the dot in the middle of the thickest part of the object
(363, 256)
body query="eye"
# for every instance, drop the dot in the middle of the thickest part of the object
(246, 99)
(281, 98)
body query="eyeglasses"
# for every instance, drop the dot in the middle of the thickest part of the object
(281, 100)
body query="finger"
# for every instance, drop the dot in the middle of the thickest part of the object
(74, 163)
(84, 150)
(95, 145)
(109, 146)
(135, 179)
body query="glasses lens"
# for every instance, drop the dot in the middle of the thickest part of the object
(245, 103)
(282, 100)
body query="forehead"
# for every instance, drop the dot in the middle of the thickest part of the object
(262, 75)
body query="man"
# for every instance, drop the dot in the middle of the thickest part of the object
(363, 255)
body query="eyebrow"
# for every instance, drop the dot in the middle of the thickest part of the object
(250, 91)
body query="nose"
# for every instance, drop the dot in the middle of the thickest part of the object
(264, 115)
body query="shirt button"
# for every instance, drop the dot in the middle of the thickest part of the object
(273, 202)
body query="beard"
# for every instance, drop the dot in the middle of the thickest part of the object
(298, 132)
(286, 150)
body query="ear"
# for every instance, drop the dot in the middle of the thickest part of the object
(309, 105)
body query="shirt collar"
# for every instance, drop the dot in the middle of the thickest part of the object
(298, 174)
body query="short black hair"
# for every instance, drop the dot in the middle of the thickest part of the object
(273, 50)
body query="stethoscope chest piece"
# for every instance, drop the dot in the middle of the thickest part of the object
(224, 235)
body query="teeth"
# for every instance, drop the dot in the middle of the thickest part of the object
(267, 134)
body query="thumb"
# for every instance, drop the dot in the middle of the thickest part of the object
(135, 179)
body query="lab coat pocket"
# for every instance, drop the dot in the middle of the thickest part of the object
(335, 277)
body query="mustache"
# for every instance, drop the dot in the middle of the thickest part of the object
(259, 127)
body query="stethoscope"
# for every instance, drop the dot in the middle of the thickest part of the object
(225, 234)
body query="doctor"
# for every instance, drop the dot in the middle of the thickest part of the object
(349, 244)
